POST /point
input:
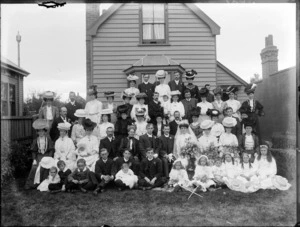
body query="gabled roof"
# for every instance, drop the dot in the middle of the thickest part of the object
(215, 29)
(231, 73)
(5, 63)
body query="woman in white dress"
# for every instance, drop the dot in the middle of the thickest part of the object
(231, 102)
(175, 105)
(207, 139)
(110, 96)
(78, 131)
(162, 89)
(140, 105)
(227, 138)
(217, 129)
(88, 146)
(204, 105)
(218, 104)
(183, 137)
(132, 90)
(94, 106)
(64, 147)
(105, 123)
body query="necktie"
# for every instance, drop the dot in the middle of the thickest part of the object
(130, 146)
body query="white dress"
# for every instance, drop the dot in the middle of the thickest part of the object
(229, 171)
(140, 129)
(78, 133)
(265, 171)
(94, 110)
(217, 130)
(204, 107)
(133, 91)
(129, 179)
(217, 172)
(43, 187)
(228, 139)
(179, 177)
(200, 172)
(91, 155)
(176, 106)
(206, 141)
(102, 129)
(167, 107)
(65, 150)
(163, 89)
(235, 105)
(139, 106)
(252, 184)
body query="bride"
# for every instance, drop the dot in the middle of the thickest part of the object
(184, 139)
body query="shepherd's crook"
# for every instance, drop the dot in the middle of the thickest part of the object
(193, 192)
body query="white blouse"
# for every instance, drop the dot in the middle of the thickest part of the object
(218, 170)
(265, 168)
(201, 171)
(91, 143)
(78, 133)
(179, 175)
(247, 171)
(249, 142)
(204, 107)
(49, 115)
(228, 139)
(94, 110)
(102, 129)
(163, 89)
(64, 149)
(140, 128)
(206, 141)
(229, 170)
(176, 106)
(167, 106)
(234, 104)
(217, 130)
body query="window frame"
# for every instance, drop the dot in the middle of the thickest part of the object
(153, 42)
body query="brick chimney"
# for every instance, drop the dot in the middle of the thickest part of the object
(269, 58)
(92, 14)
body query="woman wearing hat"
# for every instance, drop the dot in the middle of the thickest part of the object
(140, 123)
(195, 125)
(217, 129)
(89, 144)
(110, 96)
(231, 102)
(48, 112)
(123, 122)
(132, 90)
(41, 147)
(176, 105)
(162, 89)
(204, 105)
(190, 76)
(78, 131)
(106, 113)
(94, 106)
(227, 138)
(218, 104)
(126, 103)
(207, 140)
(140, 105)
(64, 147)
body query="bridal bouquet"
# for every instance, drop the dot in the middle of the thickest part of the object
(232, 150)
(212, 153)
(190, 149)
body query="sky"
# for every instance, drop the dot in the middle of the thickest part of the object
(53, 41)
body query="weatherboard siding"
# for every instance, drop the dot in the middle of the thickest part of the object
(116, 47)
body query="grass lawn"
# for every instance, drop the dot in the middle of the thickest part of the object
(144, 208)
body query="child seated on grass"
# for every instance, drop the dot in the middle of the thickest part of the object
(217, 171)
(178, 176)
(52, 180)
(203, 174)
(229, 168)
(125, 178)
(81, 179)
(63, 173)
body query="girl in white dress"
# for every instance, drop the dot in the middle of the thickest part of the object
(204, 105)
(175, 105)
(207, 140)
(178, 176)
(218, 104)
(78, 131)
(140, 105)
(105, 123)
(53, 178)
(231, 102)
(227, 138)
(94, 106)
(229, 169)
(162, 89)
(132, 90)
(140, 124)
(217, 170)
(203, 174)
(64, 147)
(217, 129)
(126, 176)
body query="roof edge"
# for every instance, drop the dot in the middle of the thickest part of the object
(15, 69)
(231, 73)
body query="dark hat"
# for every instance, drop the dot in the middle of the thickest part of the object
(141, 96)
(159, 114)
(248, 122)
(123, 109)
(109, 93)
(250, 88)
(92, 90)
(203, 92)
(213, 112)
(232, 89)
(190, 74)
(195, 111)
(218, 91)
(126, 95)
(88, 124)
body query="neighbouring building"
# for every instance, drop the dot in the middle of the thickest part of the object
(143, 38)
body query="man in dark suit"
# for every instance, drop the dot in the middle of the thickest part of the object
(148, 140)
(147, 88)
(236, 130)
(103, 171)
(72, 106)
(210, 97)
(166, 145)
(110, 143)
(174, 124)
(130, 143)
(54, 132)
(177, 84)
(188, 103)
(155, 108)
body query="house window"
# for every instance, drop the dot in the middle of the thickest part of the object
(8, 99)
(153, 23)
(12, 99)
(4, 99)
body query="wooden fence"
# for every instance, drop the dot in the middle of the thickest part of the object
(17, 129)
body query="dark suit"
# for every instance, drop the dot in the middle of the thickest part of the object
(111, 146)
(151, 169)
(125, 144)
(71, 110)
(155, 130)
(103, 168)
(180, 87)
(145, 141)
(173, 127)
(166, 145)
(154, 110)
(237, 130)
(188, 105)
(54, 132)
(210, 98)
(242, 140)
(148, 89)
(121, 126)
(117, 165)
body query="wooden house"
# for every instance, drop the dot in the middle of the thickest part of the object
(143, 38)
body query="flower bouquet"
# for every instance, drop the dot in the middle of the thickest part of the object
(212, 154)
(232, 150)
(189, 151)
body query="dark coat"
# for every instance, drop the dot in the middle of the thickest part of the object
(117, 165)
(242, 140)
(35, 150)
(173, 127)
(145, 141)
(112, 147)
(194, 91)
(86, 176)
(125, 144)
(128, 111)
(188, 105)
(210, 98)
(64, 176)
(151, 168)
(154, 110)
(43, 112)
(71, 110)
(148, 89)
(121, 127)
(54, 132)
(237, 130)
(155, 130)
(166, 145)
(180, 87)
(102, 168)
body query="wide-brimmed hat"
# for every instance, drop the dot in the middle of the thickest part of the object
(231, 89)
(92, 90)
(48, 95)
(250, 88)
(126, 95)
(109, 94)
(140, 112)
(195, 111)
(123, 109)
(175, 93)
(64, 126)
(190, 74)
(40, 124)
(218, 91)
(141, 96)
(160, 74)
(47, 162)
(213, 112)
(248, 122)
(131, 77)
(203, 92)
(88, 124)
(236, 185)
(229, 122)
(183, 123)
(106, 111)
(80, 113)
(206, 124)
(280, 182)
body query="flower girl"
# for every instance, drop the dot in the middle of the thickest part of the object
(53, 178)
(178, 176)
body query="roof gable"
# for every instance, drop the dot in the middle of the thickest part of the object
(232, 74)
(5, 63)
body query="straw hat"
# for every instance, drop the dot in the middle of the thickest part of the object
(48, 95)
(47, 162)
(160, 74)
(190, 74)
(175, 93)
(206, 124)
(229, 122)
(80, 113)
(140, 112)
(236, 185)
(141, 96)
(64, 126)
(109, 93)
(280, 182)
(125, 95)
(132, 77)
(39, 124)
(106, 111)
